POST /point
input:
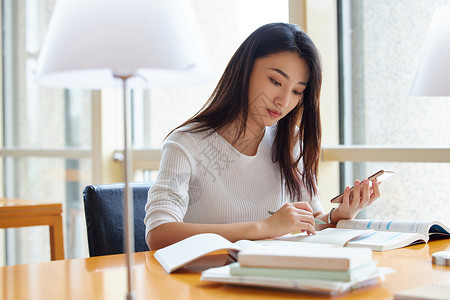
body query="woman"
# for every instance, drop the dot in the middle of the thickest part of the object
(253, 147)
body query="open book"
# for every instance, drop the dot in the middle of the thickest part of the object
(183, 252)
(379, 235)
(270, 253)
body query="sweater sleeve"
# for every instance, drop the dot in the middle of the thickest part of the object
(168, 198)
(315, 204)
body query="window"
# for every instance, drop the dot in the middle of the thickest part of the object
(380, 44)
(36, 119)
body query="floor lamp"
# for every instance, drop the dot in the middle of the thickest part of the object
(432, 77)
(112, 43)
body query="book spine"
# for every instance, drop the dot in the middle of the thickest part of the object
(352, 274)
(289, 262)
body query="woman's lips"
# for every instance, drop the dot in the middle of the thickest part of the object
(273, 113)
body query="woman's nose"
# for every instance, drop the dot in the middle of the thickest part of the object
(282, 99)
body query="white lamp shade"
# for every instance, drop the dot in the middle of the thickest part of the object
(432, 77)
(88, 40)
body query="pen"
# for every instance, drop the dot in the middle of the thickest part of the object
(317, 221)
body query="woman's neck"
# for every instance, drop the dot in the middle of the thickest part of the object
(247, 143)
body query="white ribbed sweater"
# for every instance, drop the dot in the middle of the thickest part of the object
(203, 179)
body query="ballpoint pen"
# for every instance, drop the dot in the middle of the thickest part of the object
(317, 221)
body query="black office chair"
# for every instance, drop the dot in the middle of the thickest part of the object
(103, 207)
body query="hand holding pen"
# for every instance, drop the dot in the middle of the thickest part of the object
(316, 221)
(291, 217)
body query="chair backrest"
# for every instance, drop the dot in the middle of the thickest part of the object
(103, 207)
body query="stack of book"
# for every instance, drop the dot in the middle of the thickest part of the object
(306, 267)
(323, 270)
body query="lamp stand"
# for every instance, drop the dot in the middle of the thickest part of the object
(127, 194)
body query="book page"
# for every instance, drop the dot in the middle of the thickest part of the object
(333, 236)
(248, 245)
(387, 225)
(244, 245)
(387, 240)
(288, 245)
(183, 252)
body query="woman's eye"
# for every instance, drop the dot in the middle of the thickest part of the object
(275, 82)
(297, 93)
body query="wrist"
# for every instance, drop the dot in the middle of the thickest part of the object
(259, 230)
(332, 217)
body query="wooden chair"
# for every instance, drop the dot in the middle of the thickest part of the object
(22, 213)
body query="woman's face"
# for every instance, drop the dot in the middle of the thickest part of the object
(276, 86)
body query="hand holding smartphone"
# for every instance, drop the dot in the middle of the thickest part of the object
(380, 175)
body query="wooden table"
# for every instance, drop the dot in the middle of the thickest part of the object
(104, 277)
(21, 213)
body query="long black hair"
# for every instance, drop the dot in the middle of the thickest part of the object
(229, 102)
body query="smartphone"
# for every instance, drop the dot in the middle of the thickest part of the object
(380, 175)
